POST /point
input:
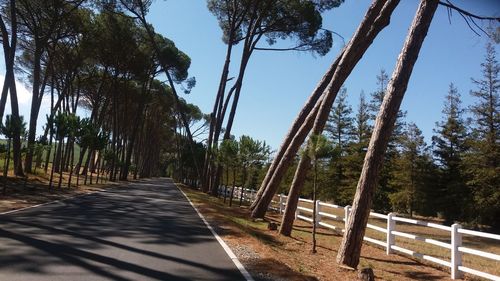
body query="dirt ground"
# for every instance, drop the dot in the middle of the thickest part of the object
(25, 192)
(269, 256)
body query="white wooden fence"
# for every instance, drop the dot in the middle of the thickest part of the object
(456, 232)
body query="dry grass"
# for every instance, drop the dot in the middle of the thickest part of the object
(34, 189)
(471, 261)
(290, 256)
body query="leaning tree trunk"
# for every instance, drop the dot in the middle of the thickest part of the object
(16, 138)
(130, 147)
(299, 120)
(35, 105)
(236, 90)
(350, 248)
(6, 167)
(14, 104)
(61, 145)
(376, 18)
(51, 180)
(57, 161)
(72, 159)
(5, 89)
(292, 200)
(213, 120)
(315, 217)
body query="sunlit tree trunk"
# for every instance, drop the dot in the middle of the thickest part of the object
(350, 248)
(377, 17)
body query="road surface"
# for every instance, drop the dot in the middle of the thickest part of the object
(145, 230)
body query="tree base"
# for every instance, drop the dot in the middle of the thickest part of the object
(366, 274)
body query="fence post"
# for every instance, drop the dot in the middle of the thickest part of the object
(318, 216)
(297, 210)
(391, 225)
(456, 256)
(347, 211)
(280, 208)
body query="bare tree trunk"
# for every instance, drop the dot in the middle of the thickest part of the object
(35, 104)
(299, 120)
(92, 166)
(72, 158)
(6, 167)
(16, 139)
(314, 207)
(350, 248)
(98, 164)
(232, 189)
(57, 163)
(53, 166)
(67, 155)
(213, 121)
(130, 147)
(49, 151)
(292, 199)
(10, 49)
(78, 166)
(245, 174)
(61, 145)
(376, 18)
(5, 90)
(87, 165)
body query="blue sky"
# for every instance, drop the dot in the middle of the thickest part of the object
(277, 84)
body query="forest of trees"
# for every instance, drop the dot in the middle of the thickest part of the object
(68, 50)
(104, 59)
(455, 176)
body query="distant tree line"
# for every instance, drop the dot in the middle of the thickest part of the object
(455, 177)
(96, 57)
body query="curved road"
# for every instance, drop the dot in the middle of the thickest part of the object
(145, 230)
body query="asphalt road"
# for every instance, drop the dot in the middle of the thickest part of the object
(142, 231)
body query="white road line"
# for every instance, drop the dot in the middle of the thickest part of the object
(50, 202)
(226, 248)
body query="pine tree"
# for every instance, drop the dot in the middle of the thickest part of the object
(482, 161)
(450, 144)
(340, 122)
(340, 130)
(363, 129)
(356, 151)
(408, 174)
(378, 95)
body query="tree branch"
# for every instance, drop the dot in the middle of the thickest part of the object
(468, 17)
(449, 5)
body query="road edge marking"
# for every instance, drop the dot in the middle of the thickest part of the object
(226, 248)
(50, 202)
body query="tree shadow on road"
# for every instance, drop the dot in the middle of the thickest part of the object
(95, 231)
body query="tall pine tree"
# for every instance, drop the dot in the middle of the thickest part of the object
(339, 130)
(450, 145)
(483, 159)
(356, 151)
(409, 172)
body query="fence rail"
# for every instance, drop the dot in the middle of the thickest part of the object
(456, 232)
